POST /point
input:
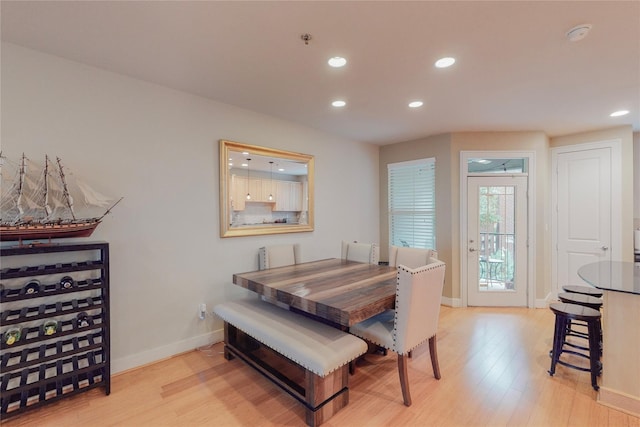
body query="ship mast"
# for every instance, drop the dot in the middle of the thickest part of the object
(23, 169)
(67, 196)
(47, 208)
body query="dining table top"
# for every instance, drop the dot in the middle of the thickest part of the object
(339, 291)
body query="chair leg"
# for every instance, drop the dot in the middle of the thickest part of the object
(433, 351)
(403, 360)
(558, 342)
(594, 353)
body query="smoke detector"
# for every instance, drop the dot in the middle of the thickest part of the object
(578, 32)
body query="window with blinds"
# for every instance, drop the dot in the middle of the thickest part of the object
(412, 203)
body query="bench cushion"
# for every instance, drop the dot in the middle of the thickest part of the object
(313, 345)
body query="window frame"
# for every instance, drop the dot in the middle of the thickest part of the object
(426, 210)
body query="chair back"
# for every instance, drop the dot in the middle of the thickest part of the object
(418, 298)
(278, 256)
(360, 252)
(410, 257)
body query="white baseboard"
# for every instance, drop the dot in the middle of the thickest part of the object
(451, 302)
(159, 353)
(620, 401)
(457, 302)
(544, 303)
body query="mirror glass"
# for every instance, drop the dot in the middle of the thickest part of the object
(264, 190)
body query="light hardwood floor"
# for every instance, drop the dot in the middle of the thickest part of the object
(494, 366)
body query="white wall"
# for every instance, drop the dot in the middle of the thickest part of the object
(158, 148)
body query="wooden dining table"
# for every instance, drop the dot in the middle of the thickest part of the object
(337, 291)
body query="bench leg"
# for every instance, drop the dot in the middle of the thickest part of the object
(322, 397)
(328, 395)
(227, 354)
(228, 332)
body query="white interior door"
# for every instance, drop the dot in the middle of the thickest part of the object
(584, 204)
(497, 241)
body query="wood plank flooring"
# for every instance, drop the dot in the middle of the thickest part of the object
(494, 366)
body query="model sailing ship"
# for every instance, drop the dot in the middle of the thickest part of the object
(41, 202)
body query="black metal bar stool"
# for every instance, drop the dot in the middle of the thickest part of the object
(584, 300)
(580, 299)
(583, 290)
(564, 313)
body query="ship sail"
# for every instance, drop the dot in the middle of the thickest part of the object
(92, 197)
(38, 200)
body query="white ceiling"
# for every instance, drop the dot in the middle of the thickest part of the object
(515, 69)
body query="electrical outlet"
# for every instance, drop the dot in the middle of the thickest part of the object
(202, 311)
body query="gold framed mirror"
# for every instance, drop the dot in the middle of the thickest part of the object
(264, 190)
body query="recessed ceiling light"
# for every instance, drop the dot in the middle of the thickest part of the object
(337, 61)
(578, 32)
(338, 103)
(619, 113)
(245, 165)
(280, 169)
(445, 62)
(416, 104)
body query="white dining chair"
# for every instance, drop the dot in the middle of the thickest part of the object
(278, 256)
(413, 321)
(410, 257)
(360, 252)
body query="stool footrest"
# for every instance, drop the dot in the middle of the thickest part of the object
(580, 347)
(580, 368)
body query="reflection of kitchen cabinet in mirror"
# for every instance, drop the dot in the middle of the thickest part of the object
(264, 190)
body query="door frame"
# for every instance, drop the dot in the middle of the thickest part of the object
(531, 225)
(616, 200)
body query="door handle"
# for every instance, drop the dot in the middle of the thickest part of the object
(604, 248)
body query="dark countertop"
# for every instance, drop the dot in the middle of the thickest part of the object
(615, 276)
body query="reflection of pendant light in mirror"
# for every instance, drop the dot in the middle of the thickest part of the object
(248, 179)
(271, 184)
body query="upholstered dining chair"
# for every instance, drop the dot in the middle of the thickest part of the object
(360, 252)
(410, 257)
(278, 256)
(413, 321)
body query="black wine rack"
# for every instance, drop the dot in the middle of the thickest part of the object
(59, 327)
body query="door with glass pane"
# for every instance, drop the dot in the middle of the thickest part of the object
(497, 246)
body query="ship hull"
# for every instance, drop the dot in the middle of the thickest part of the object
(46, 231)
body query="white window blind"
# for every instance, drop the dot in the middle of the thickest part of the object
(412, 203)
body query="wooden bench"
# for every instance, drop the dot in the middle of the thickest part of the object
(307, 359)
